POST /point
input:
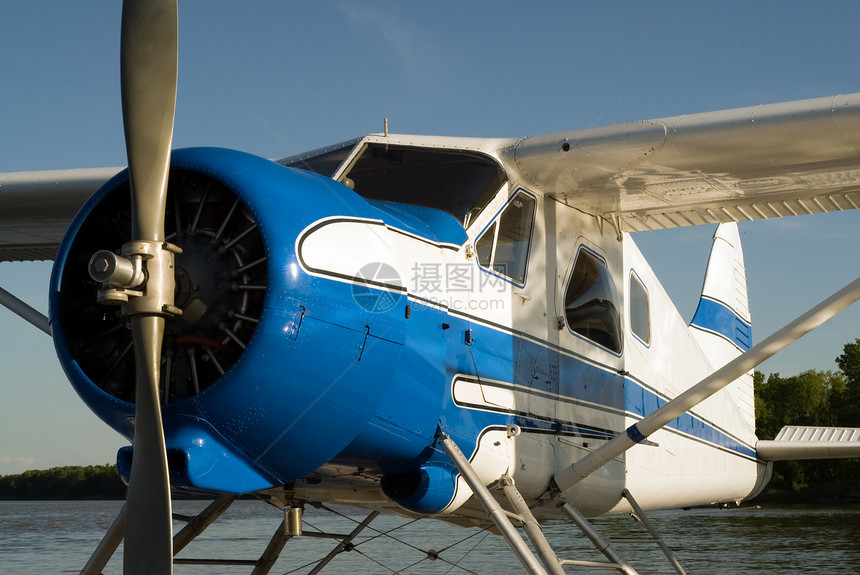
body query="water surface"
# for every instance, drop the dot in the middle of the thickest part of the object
(59, 536)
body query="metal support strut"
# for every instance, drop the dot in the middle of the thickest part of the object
(495, 511)
(545, 561)
(600, 542)
(289, 527)
(604, 545)
(640, 514)
(25, 311)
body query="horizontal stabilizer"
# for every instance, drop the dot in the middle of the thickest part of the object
(798, 442)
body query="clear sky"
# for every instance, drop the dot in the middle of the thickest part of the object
(276, 78)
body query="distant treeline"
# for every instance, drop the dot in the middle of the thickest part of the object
(817, 398)
(90, 482)
(820, 398)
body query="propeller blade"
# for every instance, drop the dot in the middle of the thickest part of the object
(149, 48)
(148, 67)
(149, 524)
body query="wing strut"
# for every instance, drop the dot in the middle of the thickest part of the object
(25, 311)
(638, 432)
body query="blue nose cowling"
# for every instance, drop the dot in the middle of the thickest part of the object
(316, 368)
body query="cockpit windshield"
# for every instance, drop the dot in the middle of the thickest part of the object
(454, 181)
(458, 182)
(324, 161)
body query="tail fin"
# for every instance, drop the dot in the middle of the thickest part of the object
(722, 325)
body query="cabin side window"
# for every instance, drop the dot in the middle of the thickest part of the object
(591, 302)
(640, 319)
(504, 246)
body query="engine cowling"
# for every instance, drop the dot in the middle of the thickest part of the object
(270, 371)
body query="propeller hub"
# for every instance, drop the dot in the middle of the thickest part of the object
(147, 265)
(109, 268)
(212, 303)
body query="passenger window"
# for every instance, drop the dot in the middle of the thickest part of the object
(640, 320)
(504, 246)
(591, 302)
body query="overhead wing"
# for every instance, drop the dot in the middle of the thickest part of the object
(37, 207)
(744, 164)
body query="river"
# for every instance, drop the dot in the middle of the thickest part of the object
(59, 536)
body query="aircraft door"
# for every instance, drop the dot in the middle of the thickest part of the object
(591, 376)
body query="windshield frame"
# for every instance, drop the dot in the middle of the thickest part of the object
(320, 159)
(467, 166)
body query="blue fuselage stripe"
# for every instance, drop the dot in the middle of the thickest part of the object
(642, 402)
(579, 382)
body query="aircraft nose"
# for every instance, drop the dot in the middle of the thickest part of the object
(313, 353)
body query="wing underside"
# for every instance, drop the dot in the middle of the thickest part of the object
(745, 164)
(37, 207)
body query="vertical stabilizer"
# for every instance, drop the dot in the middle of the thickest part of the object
(722, 325)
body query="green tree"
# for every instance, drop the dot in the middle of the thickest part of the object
(765, 425)
(74, 482)
(846, 406)
(803, 399)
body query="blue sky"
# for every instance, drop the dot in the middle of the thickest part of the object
(276, 78)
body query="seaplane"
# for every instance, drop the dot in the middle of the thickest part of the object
(460, 329)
